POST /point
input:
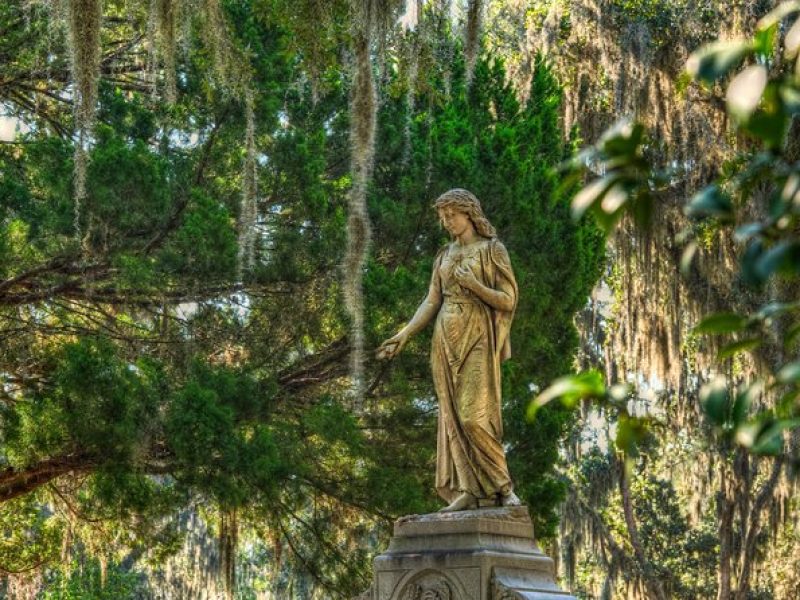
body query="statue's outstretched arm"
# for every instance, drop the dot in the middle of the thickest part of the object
(425, 313)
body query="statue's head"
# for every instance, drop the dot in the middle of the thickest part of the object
(466, 202)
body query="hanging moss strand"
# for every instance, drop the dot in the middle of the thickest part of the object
(84, 19)
(363, 107)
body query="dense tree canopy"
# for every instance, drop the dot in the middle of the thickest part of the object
(175, 342)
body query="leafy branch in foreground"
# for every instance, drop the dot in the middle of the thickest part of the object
(762, 83)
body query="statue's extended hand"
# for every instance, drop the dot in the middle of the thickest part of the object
(392, 347)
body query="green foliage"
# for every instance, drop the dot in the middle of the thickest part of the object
(141, 377)
(504, 152)
(762, 107)
(84, 581)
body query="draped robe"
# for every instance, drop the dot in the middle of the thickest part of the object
(470, 340)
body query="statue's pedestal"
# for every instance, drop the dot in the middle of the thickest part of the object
(485, 554)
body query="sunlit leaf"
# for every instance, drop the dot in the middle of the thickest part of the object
(591, 194)
(687, 256)
(792, 41)
(764, 41)
(790, 96)
(570, 390)
(745, 90)
(716, 60)
(790, 193)
(777, 14)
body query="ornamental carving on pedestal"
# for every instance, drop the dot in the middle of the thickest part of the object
(431, 586)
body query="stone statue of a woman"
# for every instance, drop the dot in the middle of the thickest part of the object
(472, 296)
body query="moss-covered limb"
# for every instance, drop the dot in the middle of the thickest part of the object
(16, 482)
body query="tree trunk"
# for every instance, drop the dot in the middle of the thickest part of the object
(654, 589)
(725, 508)
(753, 529)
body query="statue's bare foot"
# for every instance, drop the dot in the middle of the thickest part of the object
(463, 502)
(511, 499)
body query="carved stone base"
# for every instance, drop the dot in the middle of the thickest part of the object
(485, 554)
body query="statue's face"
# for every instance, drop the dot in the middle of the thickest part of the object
(454, 221)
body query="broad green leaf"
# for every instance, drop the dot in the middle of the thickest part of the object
(722, 322)
(745, 90)
(716, 60)
(739, 346)
(710, 202)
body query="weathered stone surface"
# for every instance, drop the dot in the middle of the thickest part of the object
(485, 554)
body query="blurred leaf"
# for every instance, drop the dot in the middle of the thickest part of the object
(769, 439)
(790, 193)
(745, 90)
(777, 14)
(790, 96)
(710, 202)
(770, 128)
(687, 257)
(749, 261)
(716, 60)
(783, 257)
(744, 232)
(789, 373)
(722, 322)
(764, 40)
(715, 400)
(792, 41)
(591, 194)
(623, 139)
(739, 346)
(791, 335)
(570, 390)
(631, 431)
(744, 400)
(773, 309)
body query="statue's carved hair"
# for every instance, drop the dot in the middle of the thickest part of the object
(466, 202)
